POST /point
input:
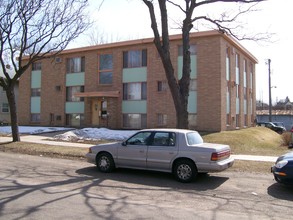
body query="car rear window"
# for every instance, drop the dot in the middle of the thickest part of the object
(194, 138)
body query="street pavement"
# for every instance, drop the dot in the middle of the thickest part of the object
(50, 141)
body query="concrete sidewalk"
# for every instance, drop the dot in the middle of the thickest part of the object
(45, 140)
(50, 141)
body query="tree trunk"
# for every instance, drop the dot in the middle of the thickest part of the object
(13, 113)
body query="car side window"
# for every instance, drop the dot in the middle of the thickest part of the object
(164, 139)
(141, 138)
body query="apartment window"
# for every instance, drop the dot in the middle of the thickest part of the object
(70, 91)
(134, 121)
(251, 75)
(192, 120)
(228, 64)
(162, 119)
(192, 50)
(237, 120)
(237, 69)
(134, 58)
(135, 91)
(228, 119)
(5, 108)
(245, 120)
(35, 117)
(75, 120)
(35, 92)
(193, 85)
(37, 66)
(75, 65)
(237, 91)
(106, 69)
(244, 73)
(162, 86)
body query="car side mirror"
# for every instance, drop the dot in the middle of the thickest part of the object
(124, 143)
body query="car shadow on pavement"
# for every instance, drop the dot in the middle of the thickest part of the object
(203, 182)
(280, 191)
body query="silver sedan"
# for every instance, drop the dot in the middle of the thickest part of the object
(177, 151)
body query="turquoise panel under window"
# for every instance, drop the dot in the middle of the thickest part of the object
(193, 66)
(74, 79)
(135, 74)
(192, 102)
(36, 79)
(74, 107)
(134, 107)
(35, 104)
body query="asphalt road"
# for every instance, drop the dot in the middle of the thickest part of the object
(34, 187)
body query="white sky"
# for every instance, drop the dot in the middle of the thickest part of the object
(129, 19)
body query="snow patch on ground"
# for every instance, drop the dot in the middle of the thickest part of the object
(32, 130)
(74, 135)
(94, 134)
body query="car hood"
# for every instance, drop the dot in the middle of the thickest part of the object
(287, 156)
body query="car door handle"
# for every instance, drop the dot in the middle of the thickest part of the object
(141, 151)
(171, 152)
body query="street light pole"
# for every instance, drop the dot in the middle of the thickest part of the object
(270, 92)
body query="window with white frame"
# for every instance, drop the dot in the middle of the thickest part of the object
(134, 58)
(135, 91)
(75, 65)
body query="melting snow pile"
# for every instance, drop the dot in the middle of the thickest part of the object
(94, 134)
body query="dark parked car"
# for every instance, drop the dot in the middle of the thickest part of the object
(279, 124)
(283, 169)
(272, 126)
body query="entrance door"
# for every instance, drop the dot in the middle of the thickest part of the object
(96, 106)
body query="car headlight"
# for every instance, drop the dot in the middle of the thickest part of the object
(281, 164)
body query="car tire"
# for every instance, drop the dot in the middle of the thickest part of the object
(105, 162)
(185, 171)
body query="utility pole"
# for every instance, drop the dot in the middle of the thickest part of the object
(270, 92)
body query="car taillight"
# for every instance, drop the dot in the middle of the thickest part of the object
(220, 155)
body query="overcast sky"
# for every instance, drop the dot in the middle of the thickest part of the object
(129, 19)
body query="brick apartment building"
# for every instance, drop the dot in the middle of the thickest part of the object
(123, 85)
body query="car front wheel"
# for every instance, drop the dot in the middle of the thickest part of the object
(105, 163)
(185, 171)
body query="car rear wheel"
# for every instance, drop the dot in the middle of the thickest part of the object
(185, 171)
(105, 162)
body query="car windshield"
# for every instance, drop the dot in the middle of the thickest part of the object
(194, 138)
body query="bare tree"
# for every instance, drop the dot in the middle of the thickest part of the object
(31, 31)
(180, 88)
